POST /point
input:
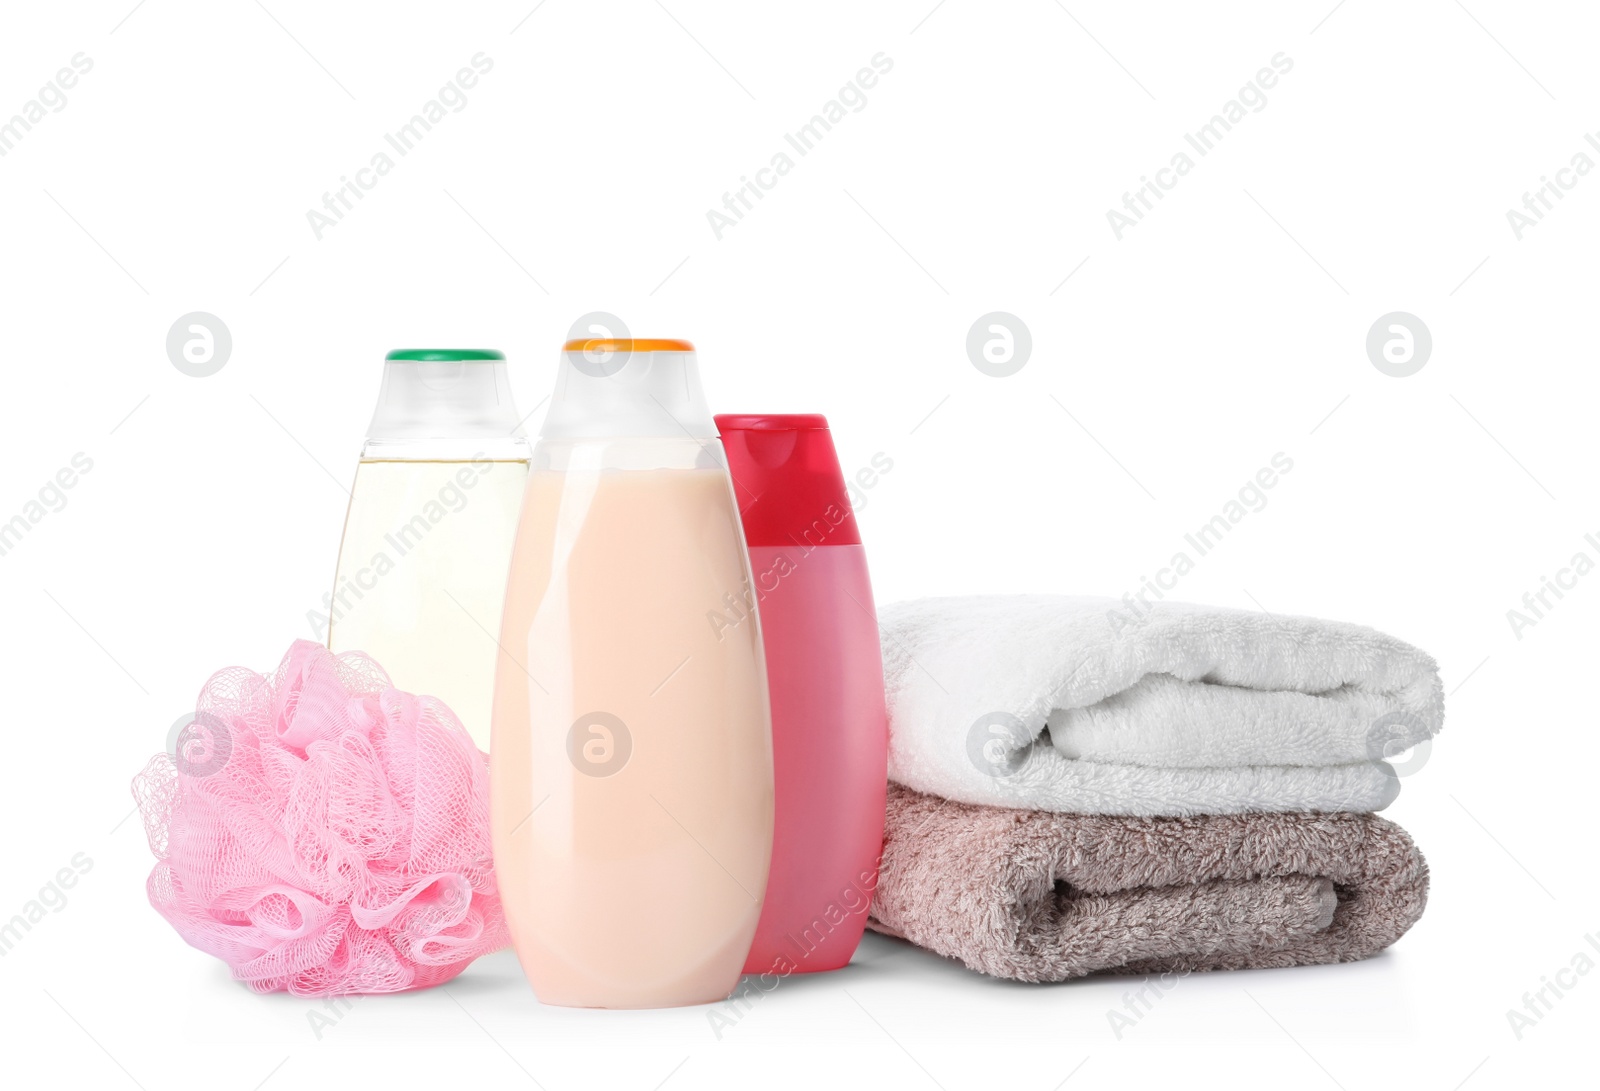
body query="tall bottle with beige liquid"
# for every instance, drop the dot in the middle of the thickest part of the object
(631, 781)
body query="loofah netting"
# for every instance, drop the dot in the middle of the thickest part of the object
(322, 832)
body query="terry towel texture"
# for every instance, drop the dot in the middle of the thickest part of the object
(1069, 703)
(1037, 896)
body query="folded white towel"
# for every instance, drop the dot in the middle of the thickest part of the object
(1062, 703)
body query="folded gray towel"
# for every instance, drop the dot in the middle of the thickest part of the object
(1037, 896)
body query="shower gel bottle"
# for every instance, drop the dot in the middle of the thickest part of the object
(631, 768)
(422, 567)
(830, 730)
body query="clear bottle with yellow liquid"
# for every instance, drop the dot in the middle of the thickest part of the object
(631, 773)
(422, 569)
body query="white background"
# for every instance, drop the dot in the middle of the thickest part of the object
(1227, 326)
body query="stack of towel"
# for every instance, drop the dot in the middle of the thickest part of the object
(1072, 792)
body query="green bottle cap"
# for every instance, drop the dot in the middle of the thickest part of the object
(445, 354)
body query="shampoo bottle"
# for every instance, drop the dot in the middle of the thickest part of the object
(631, 768)
(830, 730)
(427, 539)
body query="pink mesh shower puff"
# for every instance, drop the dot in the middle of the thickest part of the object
(322, 832)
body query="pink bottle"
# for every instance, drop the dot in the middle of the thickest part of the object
(825, 676)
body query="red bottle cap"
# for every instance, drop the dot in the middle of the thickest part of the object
(787, 479)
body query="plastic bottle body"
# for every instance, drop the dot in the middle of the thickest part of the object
(631, 766)
(830, 731)
(421, 575)
(829, 739)
(427, 538)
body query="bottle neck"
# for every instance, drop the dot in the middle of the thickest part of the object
(445, 409)
(608, 395)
